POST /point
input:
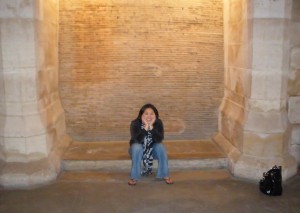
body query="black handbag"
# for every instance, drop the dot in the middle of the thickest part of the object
(271, 183)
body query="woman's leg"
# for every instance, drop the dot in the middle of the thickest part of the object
(136, 153)
(160, 153)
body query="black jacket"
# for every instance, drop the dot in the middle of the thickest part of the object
(138, 134)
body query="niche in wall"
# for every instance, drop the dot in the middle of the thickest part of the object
(115, 56)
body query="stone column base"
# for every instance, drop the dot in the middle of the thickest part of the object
(31, 174)
(252, 167)
(26, 175)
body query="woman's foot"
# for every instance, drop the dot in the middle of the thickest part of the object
(168, 180)
(132, 182)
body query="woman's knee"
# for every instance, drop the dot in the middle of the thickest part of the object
(159, 150)
(159, 147)
(136, 149)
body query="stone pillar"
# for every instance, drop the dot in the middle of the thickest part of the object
(253, 123)
(32, 122)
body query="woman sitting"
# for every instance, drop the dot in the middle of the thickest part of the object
(147, 134)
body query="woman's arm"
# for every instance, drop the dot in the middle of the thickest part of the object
(158, 131)
(137, 133)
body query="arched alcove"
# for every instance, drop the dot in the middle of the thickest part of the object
(116, 56)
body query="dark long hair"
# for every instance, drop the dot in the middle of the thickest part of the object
(143, 109)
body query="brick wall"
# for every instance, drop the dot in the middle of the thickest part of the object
(114, 57)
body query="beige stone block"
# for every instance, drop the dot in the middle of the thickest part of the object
(2, 86)
(26, 175)
(50, 113)
(2, 142)
(41, 55)
(14, 146)
(57, 131)
(31, 107)
(251, 167)
(57, 110)
(11, 32)
(10, 58)
(267, 56)
(29, 86)
(2, 108)
(295, 10)
(226, 146)
(267, 86)
(266, 105)
(237, 10)
(295, 57)
(18, 43)
(8, 9)
(2, 123)
(44, 85)
(238, 80)
(2, 150)
(295, 134)
(34, 125)
(26, 8)
(270, 30)
(234, 97)
(294, 82)
(294, 109)
(238, 56)
(266, 122)
(11, 109)
(263, 145)
(295, 152)
(272, 9)
(48, 37)
(12, 87)
(36, 147)
(17, 31)
(53, 77)
(294, 33)
(27, 55)
(17, 9)
(13, 126)
(42, 120)
(239, 32)
(60, 126)
(231, 119)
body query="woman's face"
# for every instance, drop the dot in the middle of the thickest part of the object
(149, 116)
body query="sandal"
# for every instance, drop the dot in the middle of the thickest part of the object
(168, 180)
(132, 182)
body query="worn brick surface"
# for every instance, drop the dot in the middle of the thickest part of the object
(117, 55)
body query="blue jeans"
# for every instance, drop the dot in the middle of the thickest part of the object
(159, 153)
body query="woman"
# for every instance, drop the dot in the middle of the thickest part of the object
(147, 134)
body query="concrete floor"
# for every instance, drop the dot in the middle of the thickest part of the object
(193, 191)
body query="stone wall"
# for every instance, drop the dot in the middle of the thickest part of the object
(294, 81)
(117, 55)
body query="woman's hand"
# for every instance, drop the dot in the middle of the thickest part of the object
(151, 123)
(145, 123)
